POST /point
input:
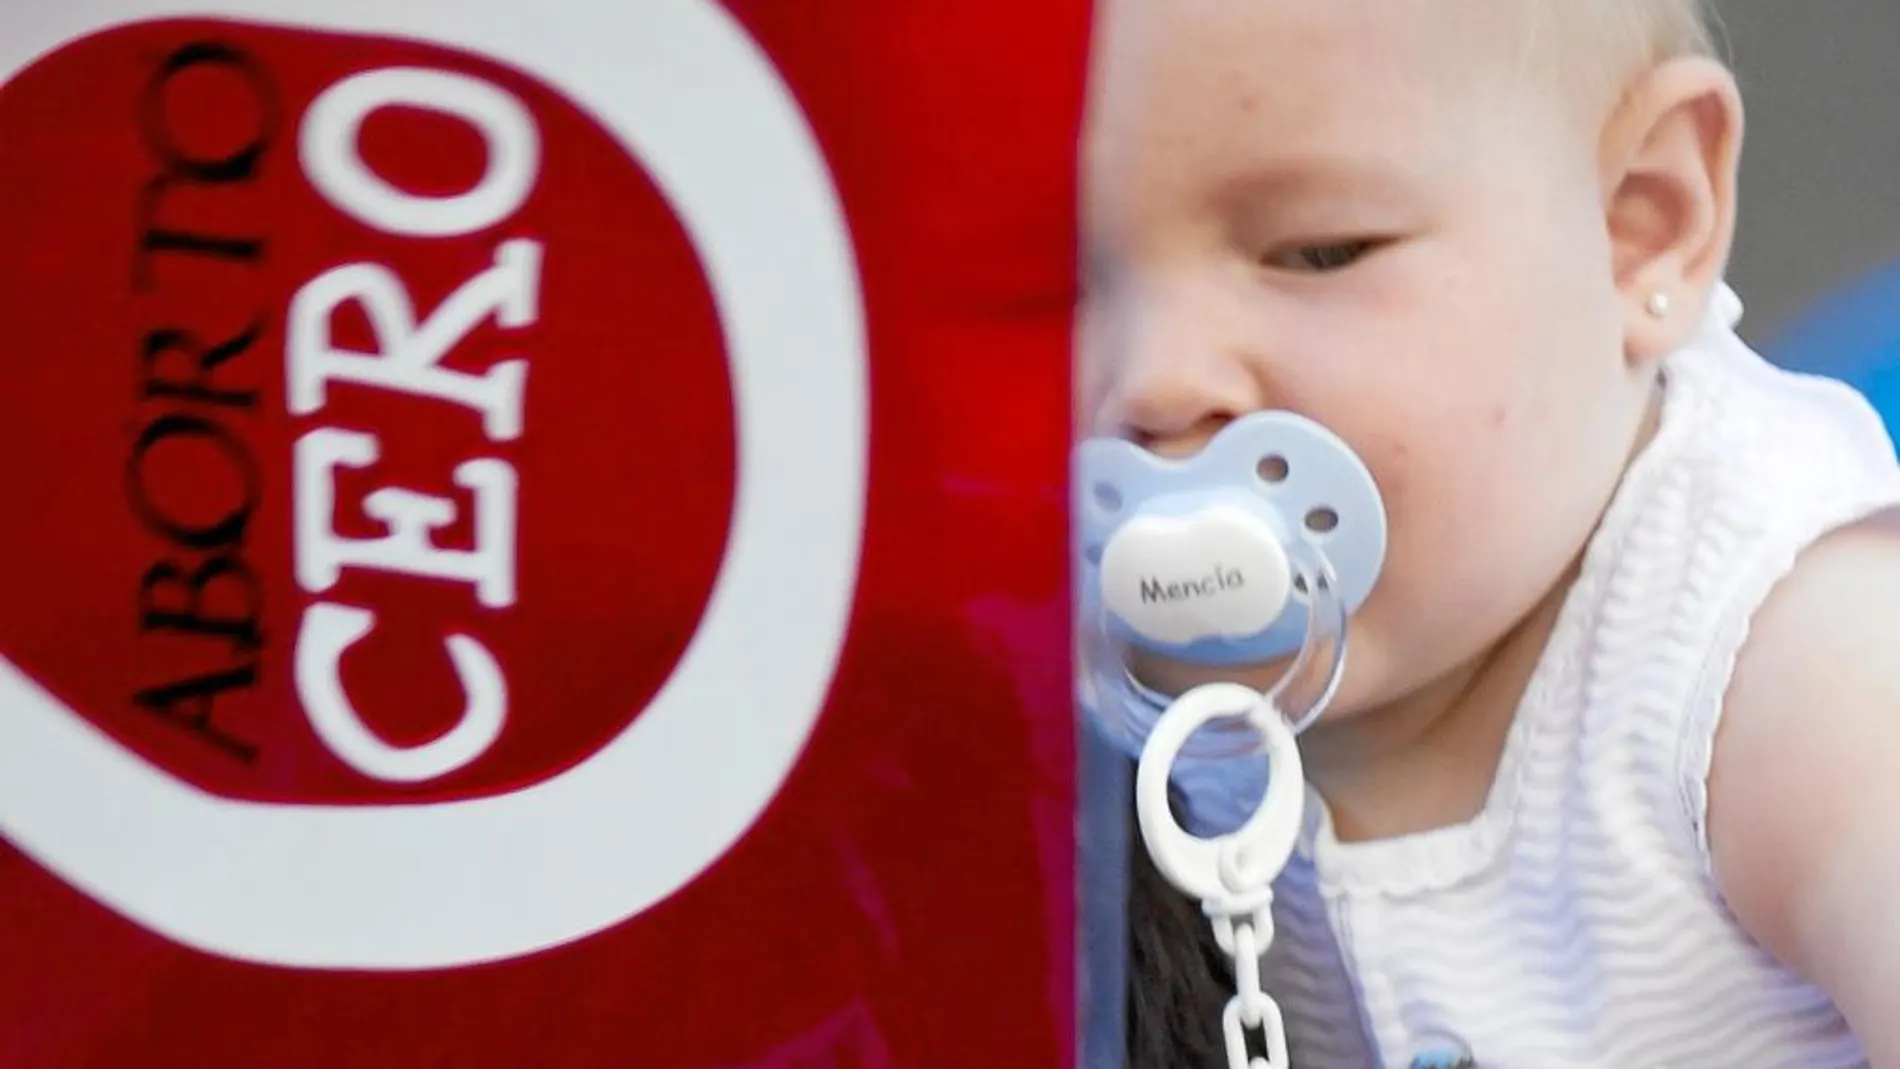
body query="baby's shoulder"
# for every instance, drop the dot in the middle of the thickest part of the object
(1803, 771)
(1827, 630)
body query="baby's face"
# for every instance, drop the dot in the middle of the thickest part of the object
(1361, 212)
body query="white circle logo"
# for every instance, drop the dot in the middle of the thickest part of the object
(454, 883)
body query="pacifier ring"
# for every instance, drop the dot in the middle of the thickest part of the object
(1233, 872)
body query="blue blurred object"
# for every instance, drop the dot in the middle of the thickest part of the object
(1444, 1059)
(1852, 335)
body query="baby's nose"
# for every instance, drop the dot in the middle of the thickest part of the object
(1173, 366)
(1185, 442)
(1172, 403)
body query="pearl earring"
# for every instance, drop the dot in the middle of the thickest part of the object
(1658, 306)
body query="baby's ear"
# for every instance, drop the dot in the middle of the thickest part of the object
(1669, 156)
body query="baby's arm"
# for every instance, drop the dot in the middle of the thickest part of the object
(1804, 810)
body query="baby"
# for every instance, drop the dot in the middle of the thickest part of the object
(1613, 774)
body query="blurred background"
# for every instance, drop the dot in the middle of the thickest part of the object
(1817, 259)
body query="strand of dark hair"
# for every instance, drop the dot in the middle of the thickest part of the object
(1178, 979)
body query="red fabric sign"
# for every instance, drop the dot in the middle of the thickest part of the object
(502, 577)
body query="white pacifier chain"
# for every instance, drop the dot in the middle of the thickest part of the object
(1232, 875)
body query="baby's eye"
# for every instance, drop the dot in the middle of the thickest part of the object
(1328, 257)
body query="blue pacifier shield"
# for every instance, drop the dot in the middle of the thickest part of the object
(1188, 558)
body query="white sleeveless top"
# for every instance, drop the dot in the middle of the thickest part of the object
(1575, 922)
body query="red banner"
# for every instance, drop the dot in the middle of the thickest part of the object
(537, 533)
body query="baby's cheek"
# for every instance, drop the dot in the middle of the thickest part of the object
(1433, 605)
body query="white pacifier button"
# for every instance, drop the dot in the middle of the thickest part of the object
(1219, 573)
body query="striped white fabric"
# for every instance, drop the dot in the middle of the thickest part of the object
(1575, 923)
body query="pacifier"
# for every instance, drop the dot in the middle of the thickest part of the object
(1258, 546)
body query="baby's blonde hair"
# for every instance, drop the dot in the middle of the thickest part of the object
(1665, 27)
(1599, 45)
